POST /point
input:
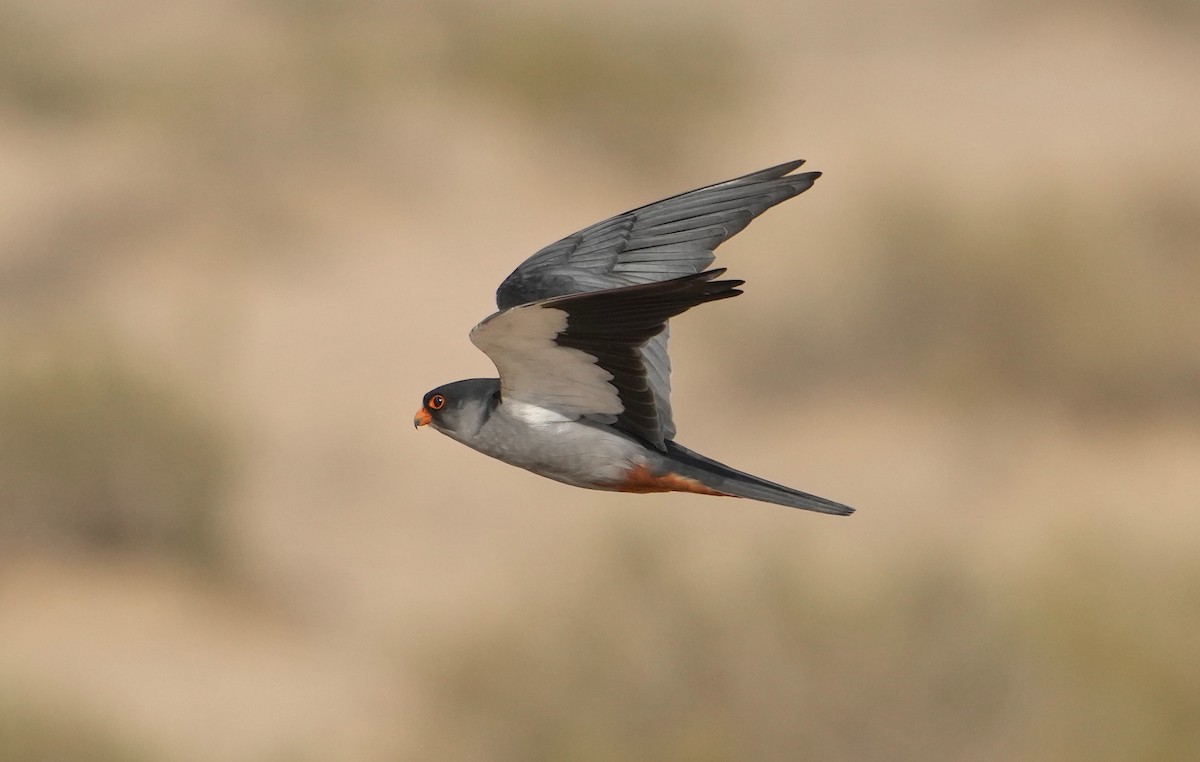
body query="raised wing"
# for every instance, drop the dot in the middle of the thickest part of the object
(660, 241)
(579, 356)
(668, 239)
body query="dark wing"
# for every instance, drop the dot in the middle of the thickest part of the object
(660, 241)
(579, 356)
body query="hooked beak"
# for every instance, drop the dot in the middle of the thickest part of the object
(422, 418)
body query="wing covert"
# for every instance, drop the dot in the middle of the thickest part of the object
(580, 356)
(664, 240)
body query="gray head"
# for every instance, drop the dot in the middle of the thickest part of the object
(459, 409)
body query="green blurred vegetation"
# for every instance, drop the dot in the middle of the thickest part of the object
(96, 456)
(1076, 657)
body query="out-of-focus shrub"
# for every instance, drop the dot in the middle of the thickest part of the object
(640, 91)
(1059, 294)
(650, 656)
(95, 456)
(41, 732)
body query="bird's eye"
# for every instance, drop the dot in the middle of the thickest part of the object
(436, 402)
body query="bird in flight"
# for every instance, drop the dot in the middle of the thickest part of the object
(580, 342)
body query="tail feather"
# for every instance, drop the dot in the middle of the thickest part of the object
(730, 481)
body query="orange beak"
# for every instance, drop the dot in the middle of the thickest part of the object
(422, 418)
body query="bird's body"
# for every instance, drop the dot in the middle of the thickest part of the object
(579, 453)
(580, 342)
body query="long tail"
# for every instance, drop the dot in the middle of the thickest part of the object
(730, 481)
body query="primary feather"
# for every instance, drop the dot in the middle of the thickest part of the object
(667, 239)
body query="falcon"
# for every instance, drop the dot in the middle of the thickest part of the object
(580, 343)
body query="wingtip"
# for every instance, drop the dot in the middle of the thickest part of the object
(787, 168)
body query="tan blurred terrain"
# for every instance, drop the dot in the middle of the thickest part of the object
(239, 240)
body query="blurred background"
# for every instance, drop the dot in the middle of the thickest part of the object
(240, 239)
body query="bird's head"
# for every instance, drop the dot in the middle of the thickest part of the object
(459, 409)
